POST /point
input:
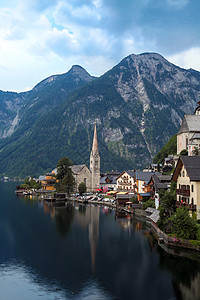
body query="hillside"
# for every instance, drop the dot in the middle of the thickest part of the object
(138, 106)
(168, 149)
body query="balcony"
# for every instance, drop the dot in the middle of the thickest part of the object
(182, 192)
(124, 183)
(189, 206)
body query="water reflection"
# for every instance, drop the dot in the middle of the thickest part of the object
(86, 252)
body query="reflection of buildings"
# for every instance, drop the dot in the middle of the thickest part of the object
(90, 218)
(192, 292)
(94, 234)
(124, 223)
(49, 210)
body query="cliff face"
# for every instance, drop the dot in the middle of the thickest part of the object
(138, 106)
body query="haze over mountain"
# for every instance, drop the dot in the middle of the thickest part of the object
(138, 106)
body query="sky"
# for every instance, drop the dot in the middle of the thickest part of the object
(40, 38)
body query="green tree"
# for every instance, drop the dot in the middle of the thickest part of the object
(65, 176)
(182, 225)
(196, 151)
(63, 167)
(184, 152)
(168, 199)
(82, 188)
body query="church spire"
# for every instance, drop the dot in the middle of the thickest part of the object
(95, 149)
(95, 162)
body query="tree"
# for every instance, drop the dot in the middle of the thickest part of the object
(65, 176)
(182, 225)
(82, 188)
(63, 167)
(195, 151)
(184, 152)
(168, 199)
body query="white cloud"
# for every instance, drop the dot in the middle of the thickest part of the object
(187, 59)
(178, 4)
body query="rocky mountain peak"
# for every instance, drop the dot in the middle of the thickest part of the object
(80, 72)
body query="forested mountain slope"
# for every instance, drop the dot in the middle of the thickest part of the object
(138, 106)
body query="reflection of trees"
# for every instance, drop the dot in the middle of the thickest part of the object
(82, 209)
(183, 269)
(64, 218)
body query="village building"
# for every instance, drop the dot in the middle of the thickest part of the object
(48, 181)
(142, 187)
(108, 181)
(188, 136)
(158, 183)
(187, 176)
(91, 177)
(126, 181)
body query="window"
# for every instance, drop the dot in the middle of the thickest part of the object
(183, 173)
(192, 201)
(192, 188)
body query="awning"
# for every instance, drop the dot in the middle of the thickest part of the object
(122, 193)
(112, 193)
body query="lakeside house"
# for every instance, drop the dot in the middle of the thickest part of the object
(108, 181)
(48, 181)
(136, 182)
(187, 176)
(126, 181)
(158, 183)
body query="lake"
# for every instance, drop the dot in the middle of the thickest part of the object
(85, 252)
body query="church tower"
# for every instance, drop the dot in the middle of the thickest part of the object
(95, 163)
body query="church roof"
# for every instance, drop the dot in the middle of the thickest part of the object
(77, 168)
(190, 123)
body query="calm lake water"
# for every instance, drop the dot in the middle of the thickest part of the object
(85, 253)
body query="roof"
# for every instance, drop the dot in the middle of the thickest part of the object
(155, 215)
(41, 177)
(129, 172)
(145, 176)
(95, 148)
(144, 194)
(77, 168)
(190, 123)
(192, 166)
(195, 136)
(164, 178)
(111, 178)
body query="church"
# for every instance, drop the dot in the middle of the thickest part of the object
(91, 177)
(188, 136)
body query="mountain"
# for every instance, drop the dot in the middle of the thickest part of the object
(21, 110)
(138, 106)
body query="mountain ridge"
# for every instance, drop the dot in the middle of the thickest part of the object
(138, 106)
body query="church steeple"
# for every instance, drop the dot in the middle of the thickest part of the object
(95, 162)
(95, 148)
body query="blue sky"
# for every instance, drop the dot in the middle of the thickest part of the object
(39, 38)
